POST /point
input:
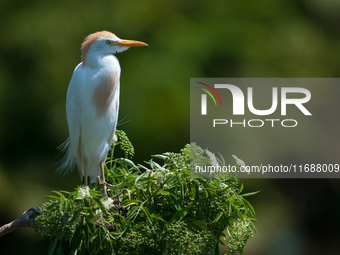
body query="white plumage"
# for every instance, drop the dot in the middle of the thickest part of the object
(92, 104)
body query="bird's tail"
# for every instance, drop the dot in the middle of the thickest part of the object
(67, 163)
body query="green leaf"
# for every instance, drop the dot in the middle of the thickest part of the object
(61, 205)
(141, 176)
(163, 157)
(53, 197)
(217, 218)
(58, 193)
(120, 234)
(130, 202)
(52, 246)
(93, 237)
(250, 194)
(252, 226)
(91, 228)
(52, 205)
(180, 214)
(66, 192)
(221, 160)
(176, 202)
(220, 241)
(241, 188)
(147, 213)
(249, 206)
(145, 168)
(127, 162)
(183, 191)
(77, 238)
(132, 213)
(171, 191)
(157, 217)
(60, 250)
(176, 216)
(154, 165)
(75, 217)
(100, 238)
(101, 206)
(194, 226)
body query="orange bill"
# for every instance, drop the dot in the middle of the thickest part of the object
(130, 43)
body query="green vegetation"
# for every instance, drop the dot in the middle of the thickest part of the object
(153, 209)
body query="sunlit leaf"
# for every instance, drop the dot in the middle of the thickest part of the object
(59, 193)
(250, 194)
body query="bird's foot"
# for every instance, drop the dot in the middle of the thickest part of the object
(104, 183)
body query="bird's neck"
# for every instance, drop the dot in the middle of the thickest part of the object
(95, 61)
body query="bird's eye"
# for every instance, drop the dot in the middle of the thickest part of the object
(108, 42)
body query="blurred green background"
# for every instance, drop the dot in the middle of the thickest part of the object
(40, 46)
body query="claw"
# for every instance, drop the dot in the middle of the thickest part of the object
(104, 183)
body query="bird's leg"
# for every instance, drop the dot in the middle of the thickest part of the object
(85, 170)
(85, 177)
(103, 179)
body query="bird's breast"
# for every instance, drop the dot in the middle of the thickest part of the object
(106, 86)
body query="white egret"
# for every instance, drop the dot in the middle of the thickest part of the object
(92, 105)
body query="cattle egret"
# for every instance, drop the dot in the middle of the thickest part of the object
(92, 105)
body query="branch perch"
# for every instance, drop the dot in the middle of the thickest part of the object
(25, 220)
